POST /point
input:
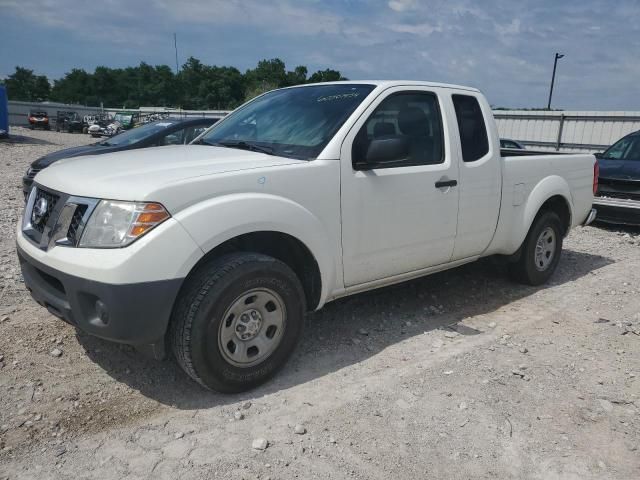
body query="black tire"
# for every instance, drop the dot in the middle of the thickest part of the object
(196, 324)
(527, 269)
(85, 130)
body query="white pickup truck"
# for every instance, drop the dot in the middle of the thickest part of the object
(216, 250)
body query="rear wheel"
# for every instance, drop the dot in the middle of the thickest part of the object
(540, 251)
(237, 321)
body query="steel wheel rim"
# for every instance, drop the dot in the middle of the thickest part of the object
(252, 327)
(545, 249)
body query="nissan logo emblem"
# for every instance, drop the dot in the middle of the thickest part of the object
(39, 210)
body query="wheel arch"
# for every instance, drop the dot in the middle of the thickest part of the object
(251, 218)
(282, 246)
(550, 194)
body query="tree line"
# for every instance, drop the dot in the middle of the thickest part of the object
(195, 87)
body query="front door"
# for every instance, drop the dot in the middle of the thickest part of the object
(399, 187)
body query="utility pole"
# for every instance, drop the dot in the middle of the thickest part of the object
(553, 77)
(175, 46)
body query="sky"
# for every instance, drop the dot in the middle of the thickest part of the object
(504, 47)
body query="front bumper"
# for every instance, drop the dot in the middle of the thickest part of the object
(135, 313)
(617, 210)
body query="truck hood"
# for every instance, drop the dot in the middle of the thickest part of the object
(136, 174)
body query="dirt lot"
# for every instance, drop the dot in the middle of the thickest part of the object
(459, 375)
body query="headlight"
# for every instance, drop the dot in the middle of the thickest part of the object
(116, 224)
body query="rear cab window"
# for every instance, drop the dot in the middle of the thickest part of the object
(473, 130)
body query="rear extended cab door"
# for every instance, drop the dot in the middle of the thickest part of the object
(480, 174)
(400, 217)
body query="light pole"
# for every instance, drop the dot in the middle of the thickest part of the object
(175, 45)
(553, 77)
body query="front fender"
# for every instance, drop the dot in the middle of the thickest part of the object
(219, 219)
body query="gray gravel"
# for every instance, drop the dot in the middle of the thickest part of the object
(458, 375)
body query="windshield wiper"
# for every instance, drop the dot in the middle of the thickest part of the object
(246, 146)
(202, 141)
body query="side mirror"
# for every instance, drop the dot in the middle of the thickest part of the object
(385, 152)
(598, 155)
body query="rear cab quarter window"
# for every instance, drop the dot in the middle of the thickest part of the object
(471, 126)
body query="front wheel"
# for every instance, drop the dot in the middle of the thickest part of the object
(540, 251)
(237, 321)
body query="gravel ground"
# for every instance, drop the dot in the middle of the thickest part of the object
(458, 375)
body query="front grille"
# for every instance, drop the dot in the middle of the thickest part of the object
(51, 199)
(76, 220)
(60, 223)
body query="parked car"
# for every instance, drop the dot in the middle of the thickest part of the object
(301, 196)
(166, 132)
(618, 197)
(4, 112)
(511, 144)
(68, 121)
(39, 119)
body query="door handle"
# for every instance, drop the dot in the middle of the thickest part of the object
(446, 183)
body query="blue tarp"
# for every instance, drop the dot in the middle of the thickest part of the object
(4, 112)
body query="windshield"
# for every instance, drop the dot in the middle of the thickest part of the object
(626, 149)
(137, 134)
(293, 122)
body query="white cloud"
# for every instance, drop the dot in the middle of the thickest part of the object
(402, 5)
(512, 28)
(421, 29)
(279, 16)
(501, 46)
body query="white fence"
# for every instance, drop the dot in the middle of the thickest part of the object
(19, 111)
(566, 131)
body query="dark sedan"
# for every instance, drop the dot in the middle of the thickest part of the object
(165, 132)
(618, 196)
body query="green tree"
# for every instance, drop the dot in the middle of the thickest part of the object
(297, 76)
(327, 75)
(196, 86)
(24, 85)
(268, 72)
(74, 87)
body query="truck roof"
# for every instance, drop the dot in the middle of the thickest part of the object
(394, 83)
